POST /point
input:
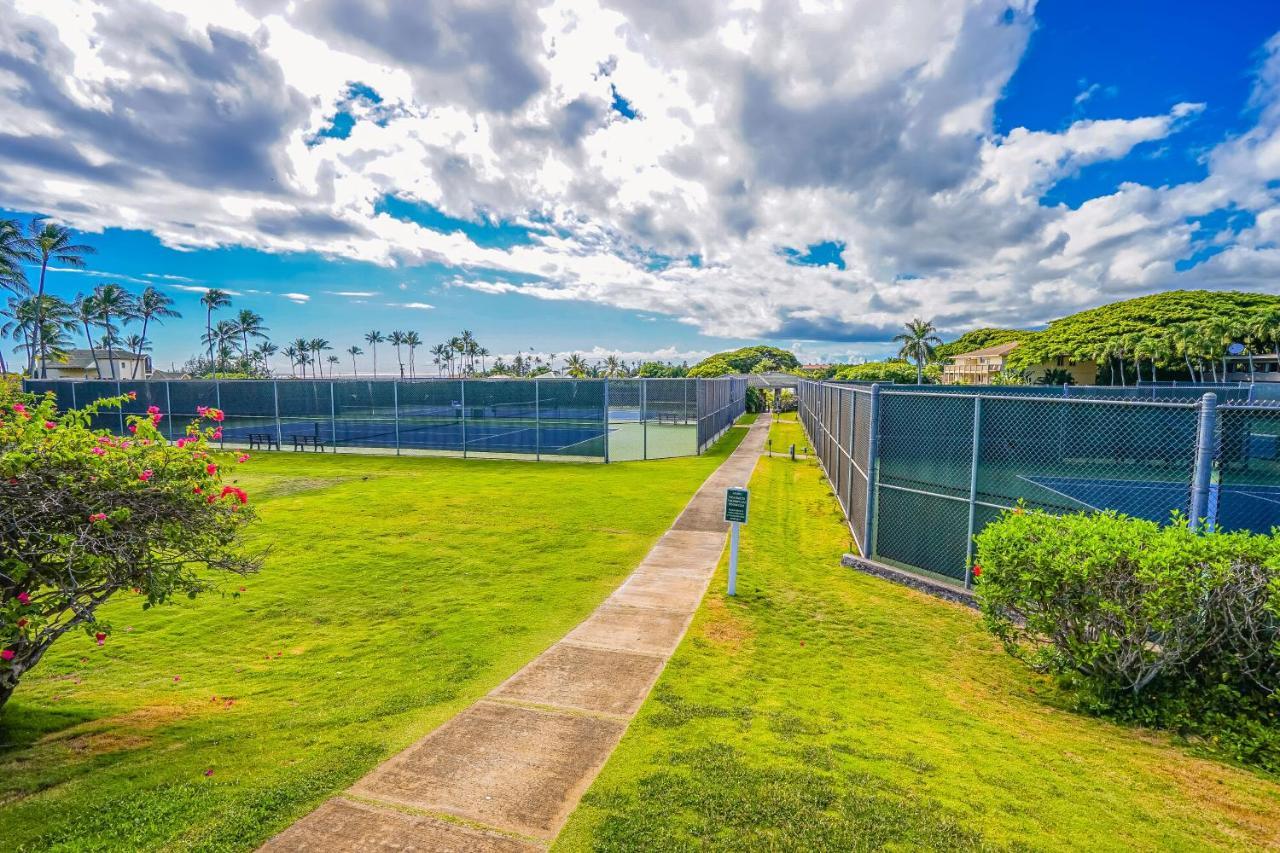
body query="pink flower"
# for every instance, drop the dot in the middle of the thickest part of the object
(239, 494)
(153, 410)
(99, 451)
(133, 427)
(104, 439)
(216, 414)
(22, 623)
(24, 598)
(156, 419)
(177, 678)
(217, 433)
(7, 654)
(197, 490)
(50, 425)
(146, 475)
(98, 516)
(244, 457)
(100, 637)
(208, 772)
(19, 408)
(200, 410)
(211, 469)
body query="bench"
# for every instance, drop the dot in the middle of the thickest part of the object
(263, 441)
(300, 442)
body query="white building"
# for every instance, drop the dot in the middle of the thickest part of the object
(81, 364)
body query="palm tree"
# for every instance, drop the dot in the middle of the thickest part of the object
(58, 320)
(456, 348)
(13, 253)
(396, 339)
(86, 312)
(576, 365)
(1056, 376)
(373, 339)
(1266, 329)
(1185, 338)
(221, 337)
(112, 299)
(291, 352)
(354, 351)
(483, 353)
(440, 357)
(467, 341)
(263, 353)
(138, 347)
(333, 362)
(317, 346)
(1217, 334)
(152, 304)
(249, 324)
(918, 343)
(212, 300)
(412, 340)
(612, 367)
(303, 349)
(47, 241)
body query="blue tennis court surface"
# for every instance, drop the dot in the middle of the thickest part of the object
(514, 436)
(1236, 506)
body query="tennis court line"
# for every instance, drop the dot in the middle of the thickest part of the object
(1056, 492)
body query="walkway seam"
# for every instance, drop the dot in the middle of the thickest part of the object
(505, 773)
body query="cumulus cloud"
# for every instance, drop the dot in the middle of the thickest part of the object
(749, 129)
(297, 298)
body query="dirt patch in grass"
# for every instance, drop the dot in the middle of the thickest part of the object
(280, 488)
(723, 628)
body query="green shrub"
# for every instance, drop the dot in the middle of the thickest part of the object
(85, 515)
(1157, 624)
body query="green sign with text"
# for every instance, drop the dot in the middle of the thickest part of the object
(735, 504)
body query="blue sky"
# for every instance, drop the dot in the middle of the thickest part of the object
(665, 182)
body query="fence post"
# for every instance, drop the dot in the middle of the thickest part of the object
(973, 489)
(853, 427)
(120, 411)
(333, 419)
(873, 451)
(537, 422)
(697, 411)
(275, 401)
(395, 406)
(644, 419)
(168, 408)
(1200, 478)
(462, 384)
(606, 421)
(73, 394)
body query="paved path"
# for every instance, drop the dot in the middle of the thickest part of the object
(505, 774)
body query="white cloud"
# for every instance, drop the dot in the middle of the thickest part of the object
(352, 293)
(297, 298)
(420, 306)
(195, 288)
(760, 126)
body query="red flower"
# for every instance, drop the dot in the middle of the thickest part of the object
(24, 598)
(244, 457)
(22, 623)
(177, 678)
(211, 498)
(98, 516)
(217, 433)
(50, 425)
(208, 772)
(153, 410)
(216, 414)
(197, 490)
(19, 408)
(133, 395)
(146, 475)
(211, 469)
(232, 490)
(100, 637)
(7, 654)
(133, 427)
(977, 570)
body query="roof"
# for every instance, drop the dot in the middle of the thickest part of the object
(998, 349)
(84, 358)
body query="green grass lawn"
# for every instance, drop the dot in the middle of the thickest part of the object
(396, 592)
(824, 709)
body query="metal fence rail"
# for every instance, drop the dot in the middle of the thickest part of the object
(920, 470)
(545, 418)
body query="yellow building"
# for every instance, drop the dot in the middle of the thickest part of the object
(981, 366)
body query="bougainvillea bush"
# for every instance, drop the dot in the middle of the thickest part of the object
(1156, 623)
(85, 514)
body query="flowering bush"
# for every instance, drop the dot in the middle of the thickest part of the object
(1163, 624)
(85, 514)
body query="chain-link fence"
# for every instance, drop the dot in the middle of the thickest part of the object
(919, 470)
(545, 418)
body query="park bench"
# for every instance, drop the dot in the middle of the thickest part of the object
(263, 441)
(301, 442)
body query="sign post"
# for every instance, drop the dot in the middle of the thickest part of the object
(736, 500)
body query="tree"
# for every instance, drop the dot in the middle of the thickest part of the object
(264, 351)
(612, 366)
(576, 366)
(333, 363)
(13, 253)
(1056, 376)
(373, 339)
(47, 241)
(86, 312)
(354, 351)
(396, 339)
(1266, 330)
(291, 352)
(112, 300)
(85, 515)
(1218, 334)
(1186, 340)
(898, 371)
(918, 343)
(137, 347)
(483, 353)
(152, 305)
(467, 346)
(212, 300)
(412, 340)
(318, 346)
(249, 324)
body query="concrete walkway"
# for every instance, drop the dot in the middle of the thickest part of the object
(505, 774)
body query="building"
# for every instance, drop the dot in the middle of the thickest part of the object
(1263, 367)
(981, 366)
(81, 364)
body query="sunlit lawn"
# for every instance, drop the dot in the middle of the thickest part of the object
(396, 592)
(824, 709)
